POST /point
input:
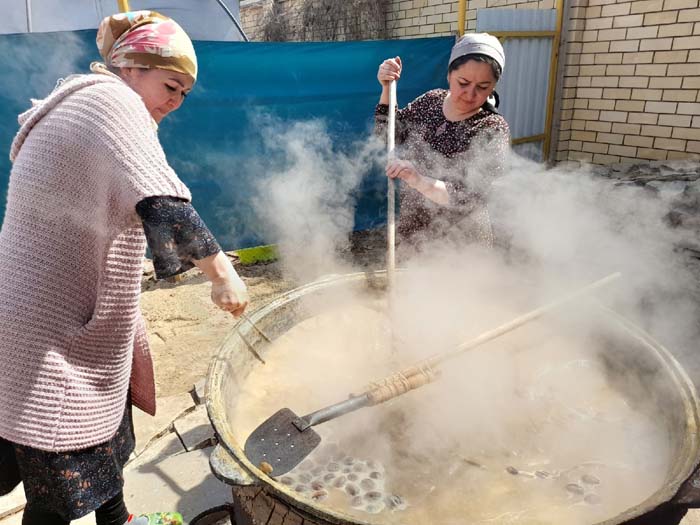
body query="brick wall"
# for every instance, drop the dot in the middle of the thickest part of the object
(631, 77)
(252, 15)
(405, 18)
(255, 13)
(631, 81)
(421, 18)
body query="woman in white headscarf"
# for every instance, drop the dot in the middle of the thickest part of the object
(451, 144)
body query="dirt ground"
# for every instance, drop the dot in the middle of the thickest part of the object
(185, 329)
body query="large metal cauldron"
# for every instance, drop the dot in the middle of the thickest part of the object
(260, 499)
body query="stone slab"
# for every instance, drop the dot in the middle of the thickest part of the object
(160, 449)
(148, 428)
(199, 391)
(194, 429)
(181, 483)
(12, 502)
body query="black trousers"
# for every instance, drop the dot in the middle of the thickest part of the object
(112, 512)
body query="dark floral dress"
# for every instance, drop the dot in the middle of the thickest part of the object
(466, 155)
(73, 484)
(70, 484)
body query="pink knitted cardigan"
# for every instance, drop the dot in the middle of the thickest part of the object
(72, 247)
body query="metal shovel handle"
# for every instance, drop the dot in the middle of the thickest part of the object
(389, 388)
(331, 412)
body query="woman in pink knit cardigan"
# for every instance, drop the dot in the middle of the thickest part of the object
(90, 187)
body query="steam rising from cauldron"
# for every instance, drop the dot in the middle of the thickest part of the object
(308, 205)
(556, 230)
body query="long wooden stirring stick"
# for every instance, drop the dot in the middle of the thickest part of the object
(423, 372)
(391, 193)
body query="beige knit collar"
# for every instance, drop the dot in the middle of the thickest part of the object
(102, 69)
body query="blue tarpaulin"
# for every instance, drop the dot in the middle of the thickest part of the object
(214, 142)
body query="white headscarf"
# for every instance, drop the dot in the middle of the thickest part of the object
(479, 44)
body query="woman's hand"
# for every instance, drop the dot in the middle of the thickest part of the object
(389, 70)
(404, 170)
(433, 189)
(228, 291)
(230, 294)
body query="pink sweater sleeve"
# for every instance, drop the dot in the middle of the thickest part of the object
(123, 127)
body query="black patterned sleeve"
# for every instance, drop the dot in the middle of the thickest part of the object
(176, 234)
(404, 116)
(488, 160)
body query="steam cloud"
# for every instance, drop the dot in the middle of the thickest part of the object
(62, 54)
(308, 205)
(557, 230)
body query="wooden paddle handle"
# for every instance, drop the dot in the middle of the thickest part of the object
(423, 372)
(516, 323)
(399, 384)
(391, 192)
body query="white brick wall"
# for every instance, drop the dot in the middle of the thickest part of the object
(631, 85)
(417, 18)
(641, 55)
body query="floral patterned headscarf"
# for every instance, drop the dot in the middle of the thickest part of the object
(146, 39)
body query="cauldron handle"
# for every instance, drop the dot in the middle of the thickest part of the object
(227, 469)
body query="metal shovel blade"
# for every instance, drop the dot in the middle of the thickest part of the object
(279, 443)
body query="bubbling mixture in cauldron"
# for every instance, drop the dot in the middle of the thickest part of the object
(525, 430)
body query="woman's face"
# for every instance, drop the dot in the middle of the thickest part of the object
(470, 85)
(161, 90)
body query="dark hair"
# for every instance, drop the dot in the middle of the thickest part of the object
(457, 62)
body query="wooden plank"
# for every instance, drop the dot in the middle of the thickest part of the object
(279, 512)
(261, 507)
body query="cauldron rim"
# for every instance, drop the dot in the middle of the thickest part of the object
(230, 452)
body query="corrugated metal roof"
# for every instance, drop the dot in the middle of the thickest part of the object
(525, 82)
(496, 19)
(201, 19)
(523, 88)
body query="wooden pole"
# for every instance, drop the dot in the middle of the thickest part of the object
(391, 191)
(423, 372)
(519, 321)
(461, 18)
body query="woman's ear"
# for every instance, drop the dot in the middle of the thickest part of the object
(124, 73)
(128, 73)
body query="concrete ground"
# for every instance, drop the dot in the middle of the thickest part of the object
(170, 470)
(692, 518)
